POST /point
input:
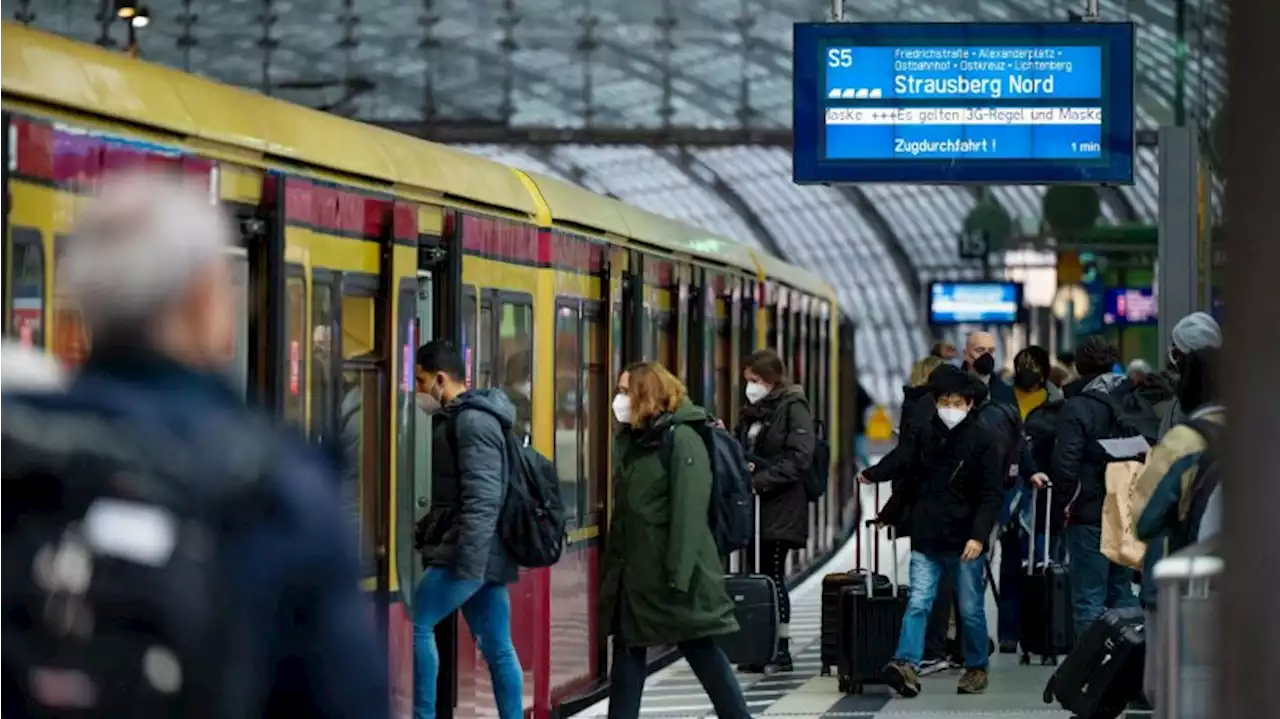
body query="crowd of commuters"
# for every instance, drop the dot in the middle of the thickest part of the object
(974, 452)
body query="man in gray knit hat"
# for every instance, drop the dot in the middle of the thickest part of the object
(1195, 331)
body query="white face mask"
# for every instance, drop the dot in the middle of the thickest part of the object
(622, 408)
(427, 402)
(952, 416)
(756, 391)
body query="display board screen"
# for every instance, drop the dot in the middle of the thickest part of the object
(998, 103)
(953, 303)
(1129, 306)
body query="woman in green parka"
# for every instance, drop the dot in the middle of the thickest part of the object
(662, 580)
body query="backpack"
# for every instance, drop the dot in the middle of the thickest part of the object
(1203, 483)
(731, 512)
(815, 484)
(115, 584)
(532, 520)
(1008, 434)
(1133, 415)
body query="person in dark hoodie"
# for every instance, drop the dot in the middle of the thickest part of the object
(954, 491)
(776, 430)
(1077, 467)
(468, 567)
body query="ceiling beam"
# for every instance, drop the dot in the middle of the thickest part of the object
(476, 133)
(705, 176)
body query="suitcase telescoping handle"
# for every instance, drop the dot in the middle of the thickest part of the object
(745, 568)
(1048, 520)
(875, 552)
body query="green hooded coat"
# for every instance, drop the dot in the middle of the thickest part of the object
(663, 582)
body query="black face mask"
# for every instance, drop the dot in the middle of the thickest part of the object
(1026, 379)
(985, 365)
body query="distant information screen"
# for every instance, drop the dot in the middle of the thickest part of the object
(1130, 306)
(953, 303)
(1001, 103)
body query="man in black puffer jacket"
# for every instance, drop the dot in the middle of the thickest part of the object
(954, 491)
(1078, 468)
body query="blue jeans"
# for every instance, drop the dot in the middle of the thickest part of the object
(926, 571)
(487, 609)
(1097, 583)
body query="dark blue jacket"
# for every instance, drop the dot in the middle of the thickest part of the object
(296, 571)
(469, 479)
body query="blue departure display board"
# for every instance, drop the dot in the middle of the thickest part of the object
(1129, 306)
(991, 103)
(954, 303)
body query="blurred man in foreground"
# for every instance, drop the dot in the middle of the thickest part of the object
(148, 495)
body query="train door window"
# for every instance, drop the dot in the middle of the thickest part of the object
(483, 376)
(239, 263)
(596, 434)
(26, 306)
(69, 338)
(724, 379)
(568, 439)
(515, 358)
(296, 346)
(362, 437)
(323, 386)
(468, 348)
(664, 340)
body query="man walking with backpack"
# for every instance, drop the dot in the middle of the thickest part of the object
(468, 565)
(1095, 409)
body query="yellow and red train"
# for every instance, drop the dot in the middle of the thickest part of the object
(356, 244)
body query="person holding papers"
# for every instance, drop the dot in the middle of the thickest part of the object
(1094, 414)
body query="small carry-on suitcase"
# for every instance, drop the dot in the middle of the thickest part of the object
(870, 619)
(755, 606)
(832, 586)
(1048, 629)
(1103, 672)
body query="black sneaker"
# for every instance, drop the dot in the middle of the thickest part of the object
(902, 679)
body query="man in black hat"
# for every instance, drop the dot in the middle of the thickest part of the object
(949, 505)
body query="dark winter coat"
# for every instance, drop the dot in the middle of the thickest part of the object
(469, 484)
(782, 452)
(294, 577)
(1039, 430)
(661, 577)
(914, 421)
(953, 487)
(1077, 465)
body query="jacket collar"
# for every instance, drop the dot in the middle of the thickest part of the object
(135, 365)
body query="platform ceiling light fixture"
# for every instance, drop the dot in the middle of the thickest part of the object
(141, 18)
(126, 9)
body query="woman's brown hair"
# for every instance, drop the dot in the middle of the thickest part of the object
(768, 366)
(921, 370)
(653, 391)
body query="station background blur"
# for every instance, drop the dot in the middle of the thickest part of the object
(683, 107)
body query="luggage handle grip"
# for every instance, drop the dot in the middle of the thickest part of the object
(875, 540)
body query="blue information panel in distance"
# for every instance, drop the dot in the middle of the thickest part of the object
(992, 103)
(953, 303)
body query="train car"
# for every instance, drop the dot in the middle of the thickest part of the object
(356, 245)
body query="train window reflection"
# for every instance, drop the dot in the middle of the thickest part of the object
(361, 438)
(515, 360)
(594, 420)
(322, 388)
(568, 364)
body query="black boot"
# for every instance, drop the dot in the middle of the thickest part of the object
(782, 660)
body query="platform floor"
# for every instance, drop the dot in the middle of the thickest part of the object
(803, 694)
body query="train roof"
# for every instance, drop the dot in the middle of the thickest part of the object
(48, 68)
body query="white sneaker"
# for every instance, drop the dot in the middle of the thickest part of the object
(933, 666)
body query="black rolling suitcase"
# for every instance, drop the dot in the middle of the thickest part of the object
(1103, 672)
(870, 619)
(1048, 629)
(832, 586)
(755, 606)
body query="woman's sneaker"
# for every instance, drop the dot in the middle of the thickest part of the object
(902, 678)
(931, 666)
(973, 681)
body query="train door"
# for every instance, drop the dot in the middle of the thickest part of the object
(420, 486)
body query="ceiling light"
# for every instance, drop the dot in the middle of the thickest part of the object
(125, 9)
(141, 19)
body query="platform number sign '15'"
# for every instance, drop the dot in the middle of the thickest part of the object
(973, 245)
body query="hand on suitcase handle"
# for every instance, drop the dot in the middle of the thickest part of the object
(1039, 480)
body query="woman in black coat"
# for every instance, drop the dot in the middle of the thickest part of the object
(776, 430)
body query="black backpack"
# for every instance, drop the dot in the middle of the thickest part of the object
(532, 520)
(1132, 414)
(1203, 483)
(815, 484)
(116, 594)
(731, 512)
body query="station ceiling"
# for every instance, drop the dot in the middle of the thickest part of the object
(525, 62)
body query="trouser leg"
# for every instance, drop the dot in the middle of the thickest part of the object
(712, 668)
(939, 616)
(438, 594)
(972, 615)
(626, 681)
(925, 573)
(488, 614)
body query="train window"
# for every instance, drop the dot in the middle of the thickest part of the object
(322, 386)
(468, 348)
(722, 391)
(362, 438)
(296, 346)
(26, 320)
(664, 340)
(515, 358)
(484, 346)
(595, 423)
(568, 440)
